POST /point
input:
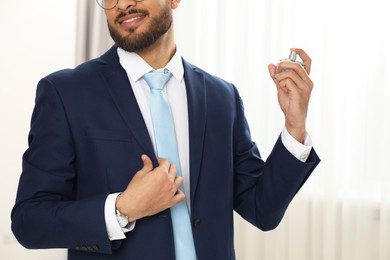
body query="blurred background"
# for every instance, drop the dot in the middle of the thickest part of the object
(343, 211)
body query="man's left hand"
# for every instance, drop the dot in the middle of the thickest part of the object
(294, 87)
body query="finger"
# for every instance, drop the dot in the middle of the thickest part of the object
(271, 70)
(178, 197)
(148, 164)
(164, 164)
(172, 172)
(287, 66)
(305, 58)
(178, 182)
(295, 78)
(287, 85)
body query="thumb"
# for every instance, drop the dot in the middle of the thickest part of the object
(148, 164)
(271, 70)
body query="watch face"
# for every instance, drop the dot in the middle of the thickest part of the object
(123, 221)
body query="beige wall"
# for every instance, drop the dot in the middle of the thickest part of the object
(37, 37)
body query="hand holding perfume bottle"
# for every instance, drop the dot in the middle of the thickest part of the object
(294, 88)
(291, 58)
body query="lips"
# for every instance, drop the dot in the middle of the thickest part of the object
(131, 20)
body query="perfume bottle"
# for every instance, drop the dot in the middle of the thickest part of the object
(292, 58)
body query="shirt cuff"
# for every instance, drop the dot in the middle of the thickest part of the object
(299, 150)
(114, 231)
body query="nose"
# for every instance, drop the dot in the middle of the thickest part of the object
(125, 4)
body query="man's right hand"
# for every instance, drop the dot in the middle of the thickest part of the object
(151, 190)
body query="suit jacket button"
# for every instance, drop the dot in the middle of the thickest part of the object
(197, 222)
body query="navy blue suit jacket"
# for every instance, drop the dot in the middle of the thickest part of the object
(87, 136)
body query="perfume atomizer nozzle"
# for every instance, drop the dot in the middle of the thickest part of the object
(292, 56)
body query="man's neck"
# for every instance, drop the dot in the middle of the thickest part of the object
(160, 53)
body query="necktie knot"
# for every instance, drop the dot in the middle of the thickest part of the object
(157, 79)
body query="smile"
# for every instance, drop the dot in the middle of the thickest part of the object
(132, 19)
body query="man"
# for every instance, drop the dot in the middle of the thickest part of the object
(94, 179)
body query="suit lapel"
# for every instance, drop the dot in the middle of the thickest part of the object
(197, 110)
(119, 87)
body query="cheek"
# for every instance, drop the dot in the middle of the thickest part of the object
(110, 17)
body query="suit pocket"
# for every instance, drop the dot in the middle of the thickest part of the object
(109, 135)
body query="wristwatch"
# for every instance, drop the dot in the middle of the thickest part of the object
(123, 220)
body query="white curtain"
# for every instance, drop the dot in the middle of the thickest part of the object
(343, 211)
(92, 33)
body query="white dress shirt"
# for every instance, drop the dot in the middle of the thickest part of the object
(175, 90)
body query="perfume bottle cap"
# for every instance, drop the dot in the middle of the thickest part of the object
(292, 56)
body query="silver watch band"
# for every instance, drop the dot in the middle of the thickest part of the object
(123, 220)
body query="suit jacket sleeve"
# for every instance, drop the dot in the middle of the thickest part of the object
(263, 190)
(47, 212)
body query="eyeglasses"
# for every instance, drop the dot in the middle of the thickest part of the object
(110, 4)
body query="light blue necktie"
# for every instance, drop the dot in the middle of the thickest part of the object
(164, 133)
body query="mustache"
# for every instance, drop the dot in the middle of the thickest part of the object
(131, 11)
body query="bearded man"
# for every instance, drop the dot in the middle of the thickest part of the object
(140, 155)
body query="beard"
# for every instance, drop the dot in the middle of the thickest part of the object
(133, 41)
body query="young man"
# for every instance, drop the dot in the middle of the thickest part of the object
(98, 178)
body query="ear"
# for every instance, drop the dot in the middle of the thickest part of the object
(175, 4)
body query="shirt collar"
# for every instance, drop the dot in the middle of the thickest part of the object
(136, 67)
